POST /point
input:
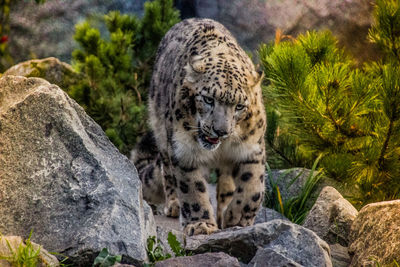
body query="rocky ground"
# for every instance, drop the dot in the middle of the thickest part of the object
(62, 177)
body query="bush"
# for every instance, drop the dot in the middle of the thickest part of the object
(319, 102)
(118, 68)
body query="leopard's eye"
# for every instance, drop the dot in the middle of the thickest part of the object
(208, 100)
(239, 107)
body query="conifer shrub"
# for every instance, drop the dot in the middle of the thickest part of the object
(117, 67)
(320, 102)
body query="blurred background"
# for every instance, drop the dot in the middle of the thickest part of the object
(47, 29)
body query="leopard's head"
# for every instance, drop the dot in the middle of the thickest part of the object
(222, 91)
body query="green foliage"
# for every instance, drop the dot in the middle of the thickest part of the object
(176, 246)
(295, 208)
(385, 32)
(117, 67)
(155, 250)
(25, 255)
(377, 263)
(104, 259)
(318, 102)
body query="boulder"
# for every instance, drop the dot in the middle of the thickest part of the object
(63, 178)
(266, 215)
(50, 69)
(278, 238)
(331, 217)
(11, 244)
(219, 259)
(375, 233)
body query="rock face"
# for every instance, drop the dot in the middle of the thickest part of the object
(202, 260)
(255, 21)
(62, 177)
(331, 217)
(46, 30)
(45, 258)
(51, 69)
(288, 242)
(376, 233)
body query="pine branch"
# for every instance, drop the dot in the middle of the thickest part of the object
(280, 153)
(385, 144)
(393, 40)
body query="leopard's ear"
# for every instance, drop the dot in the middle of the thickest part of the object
(195, 67)
(258, 77)
(198, 63)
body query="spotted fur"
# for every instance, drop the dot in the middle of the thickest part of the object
(206, 112)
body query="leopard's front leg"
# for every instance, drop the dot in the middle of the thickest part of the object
(197, 214)
(248, 176)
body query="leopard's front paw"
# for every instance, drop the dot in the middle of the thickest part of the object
(172, 208)
(200, 228)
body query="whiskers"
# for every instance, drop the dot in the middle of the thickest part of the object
(192, 128)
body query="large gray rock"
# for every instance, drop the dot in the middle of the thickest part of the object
(62, 177)
(375, 233)
(202, 260)
(331, 217)
(280, 239)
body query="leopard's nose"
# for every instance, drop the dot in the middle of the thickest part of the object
(221, 132)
